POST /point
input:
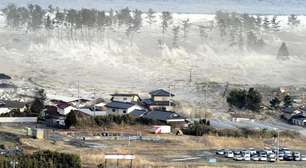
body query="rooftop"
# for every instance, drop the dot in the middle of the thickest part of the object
(138, 113)
(124, 94)
(160, 92)
(162, 115)
(119, 105)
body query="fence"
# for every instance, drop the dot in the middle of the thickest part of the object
(18, 119)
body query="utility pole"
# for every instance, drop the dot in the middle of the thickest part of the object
(94, 97)
(190, 75)
(78, 106)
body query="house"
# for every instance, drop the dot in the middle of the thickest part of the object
(126, 97)
(298, 120)
(138, 113)
(121, 108)
(7, 105)
(92, 112)
(167, 117)
(64, 108)
(160, 100)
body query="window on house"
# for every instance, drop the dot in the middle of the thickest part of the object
(124, 98)
(114, 110)
(124, 111)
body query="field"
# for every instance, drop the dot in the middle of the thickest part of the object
(168, 151)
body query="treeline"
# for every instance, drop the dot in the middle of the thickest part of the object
(45, 159)
(200, 129)
(241, 30)
(244, 30)
(79, 120)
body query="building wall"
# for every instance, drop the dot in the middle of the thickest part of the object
(126, 98)
(18, 119)
(113, 111)
(168, 108)
(161, 98)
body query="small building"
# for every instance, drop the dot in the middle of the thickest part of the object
(7, 105)
(126, 97)
(160, 100)
(92, 112)
(167, 117)
(298, 120)
(138, 113)
(121, 108)
(64, 108)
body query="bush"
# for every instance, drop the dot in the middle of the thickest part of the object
(250, 100)
(110, 120)
(199, 129)
(45, 159)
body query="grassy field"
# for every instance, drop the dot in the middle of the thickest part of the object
(165, 153)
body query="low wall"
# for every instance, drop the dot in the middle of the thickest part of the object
(18, 119)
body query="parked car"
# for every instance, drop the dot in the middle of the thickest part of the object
(245, 153)
(263, 158)
(247, 158)
(303, 157)
(252, 151)
(220, 152)
(229, 154)
(297, 156)
(271, 158)
(280, 157)
(237, 152)
(255, 158)
(238, 158)
(288, 158)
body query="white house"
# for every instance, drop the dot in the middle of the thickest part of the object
(121, 108)
(126, 97)
(64, 108)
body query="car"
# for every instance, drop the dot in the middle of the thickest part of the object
(238, 158)
(255, 158)
(263, 158)
(271, 158)
(220, 152)
(280, 157)
(252, 151)
(303, 157)
(237, 152)
(297, 156)
(228, 154)
(281, 153)
(245, 153)
(247, 158)
(288, 158)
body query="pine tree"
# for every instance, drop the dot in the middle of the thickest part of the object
(293, 20)
(166, 18)
(283, 53)
(151, 17)
(275, 24)
(176, 30)
(266, 24)
(186, 24)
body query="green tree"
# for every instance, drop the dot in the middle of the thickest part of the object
(275, 103)
(283, 53)
(237, 98)
(253, 100)
(288, 101)
(71, 119)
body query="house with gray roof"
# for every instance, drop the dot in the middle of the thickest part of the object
(121, 108)
(126, 97)
(167, 117)
(160, 100)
